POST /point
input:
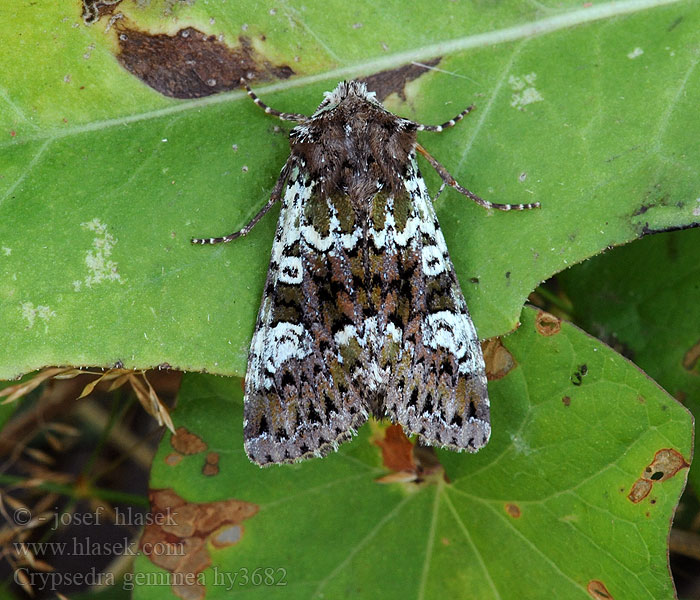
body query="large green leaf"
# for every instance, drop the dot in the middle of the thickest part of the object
(544, 506)
(643, 300)
(103, 180)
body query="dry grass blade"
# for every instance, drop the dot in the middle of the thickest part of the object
(14, 392)
(106, 376)
(150, 401)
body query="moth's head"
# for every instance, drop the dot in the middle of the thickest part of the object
(346, 90)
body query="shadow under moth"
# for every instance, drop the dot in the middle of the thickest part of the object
(361, 312)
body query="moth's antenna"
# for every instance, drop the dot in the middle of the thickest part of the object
(269, 110)
(447, 124)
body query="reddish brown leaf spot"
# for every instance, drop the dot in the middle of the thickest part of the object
(598, 590)
(640, 490)
(385, 83)
(187, 443)
(667, 462)
(410, 463)
(173, 459)
(513, 510)
(499, 361)
(192, 64)
(690, 358)
(547, 324)
(445, 541)
(211, 467)
(397, 450)
(566, 401)
(178, 532)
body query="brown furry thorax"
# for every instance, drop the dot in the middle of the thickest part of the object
(353, 145)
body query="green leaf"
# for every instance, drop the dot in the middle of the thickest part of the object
(643, 300)
(544, 506)
(103, 180)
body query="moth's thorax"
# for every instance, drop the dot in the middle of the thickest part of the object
(353, 145)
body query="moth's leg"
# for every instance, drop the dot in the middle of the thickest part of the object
(451, 123)
(449, 180)
(269, 110)
(275, 196)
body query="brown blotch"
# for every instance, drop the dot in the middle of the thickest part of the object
(397, 449)
(178, 532)
(640, 490)
(410, 463)
(173, 459)
(192, 64)
(667, 462)
(445, 541)
(513, 510)
(597, 590)
(498, 360)
(93, 10)
(392, 81)
(211, 466)
(547, 324)
(690, 358)
(187, 443)
(566, 401)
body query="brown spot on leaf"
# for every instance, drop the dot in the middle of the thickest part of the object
(598, 590)
(178, 532)
(173, 459)
(385, 83)
(445, 541)
(397, 450)
(211, 467)
(690, 358)
(513, 510)
(187, 443)
(667, 462)
(410, 463)
(566, 401)
(547, 324)
(640, 490)
(498, 360)
(192, 64)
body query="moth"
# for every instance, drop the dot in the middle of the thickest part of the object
(361, 311)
